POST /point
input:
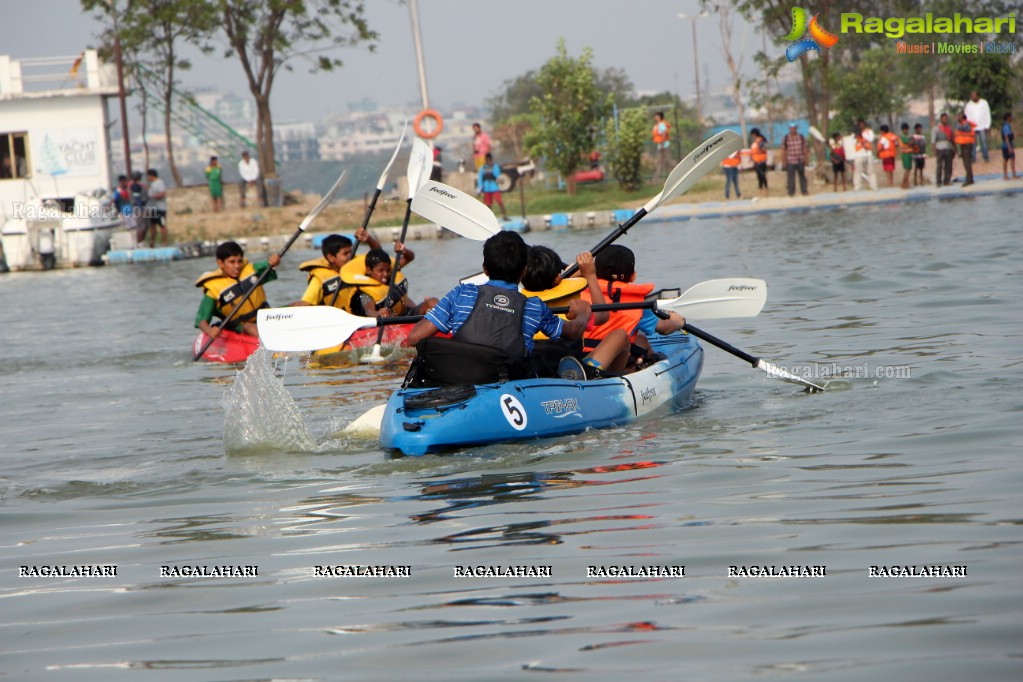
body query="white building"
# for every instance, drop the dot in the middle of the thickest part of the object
(54, 158)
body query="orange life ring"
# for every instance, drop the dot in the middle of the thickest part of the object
(428, 113)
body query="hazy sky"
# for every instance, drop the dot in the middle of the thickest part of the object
(471, 47)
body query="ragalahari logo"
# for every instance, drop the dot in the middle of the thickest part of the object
(819, 36)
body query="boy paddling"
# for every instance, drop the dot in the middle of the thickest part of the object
(228, 284)
(492, 325)
(324, 273)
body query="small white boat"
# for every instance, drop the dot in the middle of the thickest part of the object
(60, 233)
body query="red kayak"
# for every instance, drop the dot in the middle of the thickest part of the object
(394, 335)
(229, 346)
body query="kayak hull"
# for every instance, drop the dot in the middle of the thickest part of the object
(228, 347)
(421, 421)
(394, 335)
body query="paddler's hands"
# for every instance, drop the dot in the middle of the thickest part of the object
(674, 323)
(579, 309)
(587, 266)
(274, 260)
(362, 234)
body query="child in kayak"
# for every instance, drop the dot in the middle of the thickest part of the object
(375, 300)
(224, 287)
(566, 357)
(324, 273)
(492, 325)
(616, 273)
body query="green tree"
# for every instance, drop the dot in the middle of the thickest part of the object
(265, 35)
(151, 34)
(869, 90)
(624, 141)
(993, 76)
(568, 113)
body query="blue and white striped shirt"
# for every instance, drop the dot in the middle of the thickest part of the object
(453, 310)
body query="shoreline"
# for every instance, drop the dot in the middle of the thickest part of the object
(682, 211)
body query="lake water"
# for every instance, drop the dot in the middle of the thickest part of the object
(118, 449)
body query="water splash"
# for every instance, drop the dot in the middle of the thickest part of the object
(259, 413)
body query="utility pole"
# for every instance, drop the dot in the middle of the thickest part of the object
(696, 61)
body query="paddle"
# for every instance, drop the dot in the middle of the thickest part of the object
(327, 198)
(420, 164)
(706, 157)
(757, 363)
(454, 209)
(306, 328)
(380, 188)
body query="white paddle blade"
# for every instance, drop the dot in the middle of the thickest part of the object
(305, 328)
(690, 170)
(457, 211)
(327, 198)
(420, 165)
(479, 279)
(816, 134)
(373, 357)
(387, 169)
(779, 373)
(718, 299)
(368, 425)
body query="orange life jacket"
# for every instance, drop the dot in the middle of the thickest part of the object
(862, 143)
(617, 292)
(731, 161)
(758, 153)
(887, 145)
(963, 137)
(658, 136)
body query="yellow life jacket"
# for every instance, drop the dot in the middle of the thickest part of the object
(355, 281)
(562, 294)
(329, 279)
(227, 291)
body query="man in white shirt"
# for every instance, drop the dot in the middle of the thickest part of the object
(863, 161)
(249, 170)
(156, 208)
(979, 114)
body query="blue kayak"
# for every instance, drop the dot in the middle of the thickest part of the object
(418, 421)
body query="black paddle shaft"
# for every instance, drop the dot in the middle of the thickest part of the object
(259, 283)
(608, 240)
(559, 310)
(723, 345)
(365, 219)
(393, 277)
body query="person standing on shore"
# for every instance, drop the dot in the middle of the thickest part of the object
(758, 155)
(964, 137)
(794, 148)
(156, 208)
(662, 143)
(486, 182)
(836, 152)
(919, 155)
(731, 167)
(979, 114)
(213, 179)
(480, 145)
(248, 168)
(864, 158)
(1008, 147)
(887, 145)
(941, 140)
